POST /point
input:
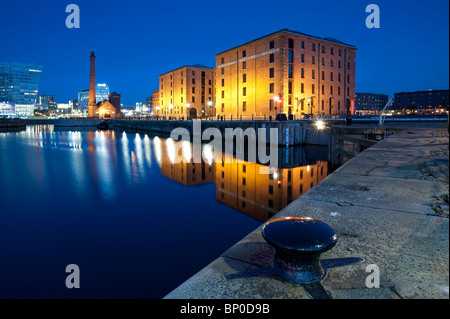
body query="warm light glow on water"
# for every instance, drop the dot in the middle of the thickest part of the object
(136, 220)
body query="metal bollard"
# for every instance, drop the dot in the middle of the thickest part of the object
(298, 243)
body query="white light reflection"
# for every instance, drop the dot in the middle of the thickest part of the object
(170, 147)
(147, 150)
(104, 166)
(158, 150)
(208, 154)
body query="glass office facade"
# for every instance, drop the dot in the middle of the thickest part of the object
(19, 84)
(101, 93)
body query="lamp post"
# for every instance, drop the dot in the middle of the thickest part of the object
(275, 100)
(210, 104)
(309, 106)
(187, 110)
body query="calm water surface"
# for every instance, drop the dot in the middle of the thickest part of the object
(116, 205)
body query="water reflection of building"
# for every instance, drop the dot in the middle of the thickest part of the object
(241, 185)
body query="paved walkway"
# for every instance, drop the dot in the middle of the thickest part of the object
(389, 205)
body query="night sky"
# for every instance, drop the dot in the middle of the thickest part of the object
(136, 41)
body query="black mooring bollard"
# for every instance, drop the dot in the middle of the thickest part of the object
(298, 243)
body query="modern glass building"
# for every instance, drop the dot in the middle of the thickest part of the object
(101, 93)
(47, 102)
(19, 84)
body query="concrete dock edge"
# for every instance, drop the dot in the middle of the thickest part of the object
(388, 205)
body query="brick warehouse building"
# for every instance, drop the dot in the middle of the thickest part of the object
(186, 92)
(285, 72)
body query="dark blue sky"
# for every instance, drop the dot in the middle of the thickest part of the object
(136, 41)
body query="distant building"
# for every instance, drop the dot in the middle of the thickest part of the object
(47, 102)
(370, 103)
(186, 91)
(114, 99)
(149, 103)
(98, 104)
(101, 93)
(19, 84)
(73, 105)
(106, 110)
(155, 102)
(7, 109)
(62, 108)
(421, 101)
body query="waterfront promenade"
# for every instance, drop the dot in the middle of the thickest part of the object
(388, 205)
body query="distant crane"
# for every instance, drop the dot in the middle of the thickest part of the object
(382, 116)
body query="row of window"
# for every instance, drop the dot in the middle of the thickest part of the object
(182, 74)
(291, 46)
(291, 60)
(193, 91)
(182, 83)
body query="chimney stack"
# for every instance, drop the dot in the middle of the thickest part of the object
(92, 106)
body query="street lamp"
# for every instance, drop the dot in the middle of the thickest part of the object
(187, 110)
(276, 99)
(309, 105)
(210, 104)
